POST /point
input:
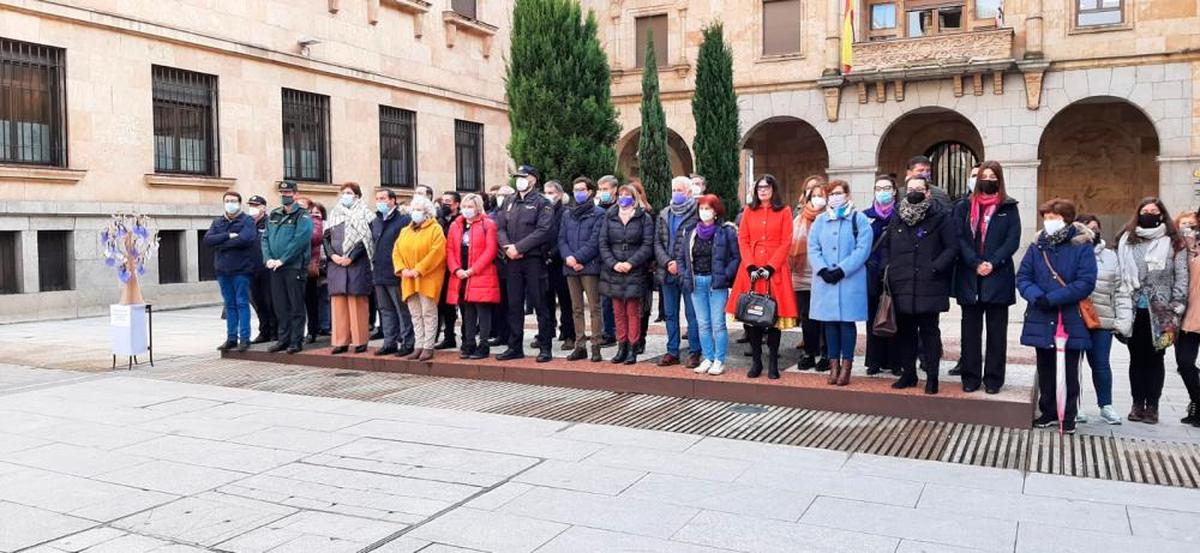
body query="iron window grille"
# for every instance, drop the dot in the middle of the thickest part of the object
(468, 155)
(185, 122)
(10, 262)
(170, 257)
(205, 258)
(32, 104)
(306, 136)
(54, 260)
(397, 147)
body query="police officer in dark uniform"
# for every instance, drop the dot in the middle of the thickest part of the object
(524, 231)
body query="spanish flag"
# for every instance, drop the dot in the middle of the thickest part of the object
(848, 37)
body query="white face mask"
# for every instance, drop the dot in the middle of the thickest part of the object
(232, 207)
(418, 217)
(707, 215)
(348, 200)
(500, 200)
(253, 211)
(818, 202)
(468, 212)
(1051, 226)
(522, 183)
(837, 200)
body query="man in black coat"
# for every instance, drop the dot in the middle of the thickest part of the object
(398, 335)
(523, 225)
(447, 314)
(260, 285)
(558, 297)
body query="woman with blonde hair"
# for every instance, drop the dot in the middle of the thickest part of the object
(420, 261)
(471, 248)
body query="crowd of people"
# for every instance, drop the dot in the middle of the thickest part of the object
(595, 253)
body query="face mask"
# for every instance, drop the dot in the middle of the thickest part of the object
(551, 198)
(383, 208)
(522, 184)
(1187, 232)
(253, 211)
(1149, 220)
(697, 190)
(605, 197)
(971, 184)
(837, 200)
(625, 201)
(500, 201)
(232, 207)
(445, 210)
(287, 200)
(581, 197)
(348, 200)
(468, 212)
(1052, 226)
(707, 215)
(315, 215)
(885, 197)
(418, 217)
(915, 197)
(818, 202)
(989, 186)
(678, 198)
(924, 176)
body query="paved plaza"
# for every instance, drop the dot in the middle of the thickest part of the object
(134, 461)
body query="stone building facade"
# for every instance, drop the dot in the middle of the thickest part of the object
(159, 107)
(1094, 100)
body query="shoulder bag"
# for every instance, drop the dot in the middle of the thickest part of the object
(885, 314)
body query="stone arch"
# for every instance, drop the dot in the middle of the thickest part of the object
(678, 152)
(1102, 153)
(787, 147)
(946, 136)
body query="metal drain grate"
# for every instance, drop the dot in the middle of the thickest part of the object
(1043, 451)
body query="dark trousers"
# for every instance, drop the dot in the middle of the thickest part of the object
(394, 317)
(914, 331)
(1146, 370)
(260, 299)
(1047, 359)
(500, 313)
(315, 293)
(287, 295)
(477, 321)
(976, 357)
(606, 312)
(814, 336)
(526, 282)
(1187, 344)
(558, 299)
(447, 314)
(882, 353)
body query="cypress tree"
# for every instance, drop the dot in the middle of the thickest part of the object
(715, 110)
(652, 139)
(559, 92)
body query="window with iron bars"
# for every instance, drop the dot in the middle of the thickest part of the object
(32, 109)
(306, 136)
(185, 122)
(397, 147)
(468, 155)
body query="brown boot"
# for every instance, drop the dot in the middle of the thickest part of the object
(415, 355)
(835, 371)
(1137, 413)
(844, 376)
(426, 355)
(1150, 415)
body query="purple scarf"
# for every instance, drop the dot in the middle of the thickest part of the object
(706, 231)
(884, 211)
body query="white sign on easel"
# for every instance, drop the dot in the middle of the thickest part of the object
(127, 325)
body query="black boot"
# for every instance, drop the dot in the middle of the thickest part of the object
(931, 381)
(448, 343)
(579, 353)
(227, 345)
(596, 354)
(277, 347)
(773, 367)
(631, 359)
(756, 347)
(339, 350)
(481, 352)
(806, 362)
(773, 336)
(823, 365)
(640, 347)
(1193, 415)
(756, 367)
(907, 380)
(622, 353)
(544, 355)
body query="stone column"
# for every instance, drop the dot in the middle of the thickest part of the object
(190, 251)
(1021, 182)
(833, 41)
(1178, 183)
(28, 254)
(862, 182)
(682, 48)
(1033, 29)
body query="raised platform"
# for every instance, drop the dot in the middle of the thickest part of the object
(1012, 407)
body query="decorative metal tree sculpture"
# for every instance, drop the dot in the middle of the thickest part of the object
(128, 242)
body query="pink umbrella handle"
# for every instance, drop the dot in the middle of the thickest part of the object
(1060, 372)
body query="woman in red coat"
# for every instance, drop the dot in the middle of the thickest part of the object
(764, 237)
(474, 284)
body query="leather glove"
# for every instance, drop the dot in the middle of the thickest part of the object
(827, 276)
(1042, 303)
(751, 269)
(769, 270)
(824, 271)
(836, 276)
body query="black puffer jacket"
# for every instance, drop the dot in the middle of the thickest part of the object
(919, 261)
(632, 242)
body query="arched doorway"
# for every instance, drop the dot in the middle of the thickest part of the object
(789, 148)
(677, 152)
(947, 138)
(1102, 154)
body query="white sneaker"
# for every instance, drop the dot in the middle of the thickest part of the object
(1080, 418)
(1110, 415)
(703, 366)
(717, 368)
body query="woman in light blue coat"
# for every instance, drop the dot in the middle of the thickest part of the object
(838, 247)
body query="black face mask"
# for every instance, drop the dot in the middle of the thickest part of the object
(446, 210)
(915, 197)
(988, 186)
(1149, 220)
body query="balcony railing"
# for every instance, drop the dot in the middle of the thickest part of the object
(933, 56)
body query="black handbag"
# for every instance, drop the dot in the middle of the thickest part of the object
(758, 310)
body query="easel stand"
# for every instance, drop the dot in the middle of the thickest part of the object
(132, 331)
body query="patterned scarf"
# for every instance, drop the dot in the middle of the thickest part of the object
(912, 214)
(357, 219)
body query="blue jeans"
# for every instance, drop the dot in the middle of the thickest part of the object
(235, 291)
(710, 316)
(1097, 358)
(606, 313)
(840, 337)
(671, 294)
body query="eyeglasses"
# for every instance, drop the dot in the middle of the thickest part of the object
(764, 186)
